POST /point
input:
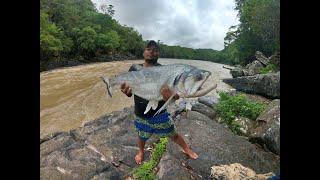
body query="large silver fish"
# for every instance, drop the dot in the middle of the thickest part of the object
(185, 80)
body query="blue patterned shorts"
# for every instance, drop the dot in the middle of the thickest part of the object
(161, 125)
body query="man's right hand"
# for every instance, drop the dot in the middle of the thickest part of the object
(126, 89)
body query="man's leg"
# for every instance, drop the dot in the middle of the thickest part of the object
(179, 140)
(139, 156)
(143, 136)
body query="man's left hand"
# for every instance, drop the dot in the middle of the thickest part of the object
(167, 93)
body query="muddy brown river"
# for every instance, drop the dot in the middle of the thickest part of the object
(71, 96)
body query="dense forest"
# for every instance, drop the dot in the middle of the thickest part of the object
(259, 30)
(75, 30)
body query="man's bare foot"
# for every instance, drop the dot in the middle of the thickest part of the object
(190, 153)
(139, 157)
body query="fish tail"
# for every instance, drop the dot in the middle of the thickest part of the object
(107, 82)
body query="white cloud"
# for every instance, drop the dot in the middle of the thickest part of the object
(188, 23)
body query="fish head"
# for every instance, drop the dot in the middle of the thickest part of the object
(191, 81)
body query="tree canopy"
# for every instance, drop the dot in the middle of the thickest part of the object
(73, 28)
(259, 30)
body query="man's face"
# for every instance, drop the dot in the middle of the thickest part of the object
(151, 53)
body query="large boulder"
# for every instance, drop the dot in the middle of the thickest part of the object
(246, 72)
(254, 68)
(101, 149)
(257, 98)
(204, 109)
(267, 128)
(267, 85)
(275, 59)
(245, 124)
(236, 171)
(210, 101)
(237, 72)
(262, 58)
(215, 145)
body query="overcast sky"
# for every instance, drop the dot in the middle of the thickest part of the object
(188, 23)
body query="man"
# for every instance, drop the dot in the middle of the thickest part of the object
(160, 125)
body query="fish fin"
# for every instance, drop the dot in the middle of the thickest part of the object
(165, 104)
(107, 82)
(151, 104)
(154, 104)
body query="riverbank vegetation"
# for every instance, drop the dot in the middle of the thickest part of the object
(231, 107)
(146, 170)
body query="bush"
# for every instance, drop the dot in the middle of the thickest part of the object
(145, 171)
(268, 69)
(230, 107)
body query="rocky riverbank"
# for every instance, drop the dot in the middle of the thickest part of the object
(262, 76)
(105, 148)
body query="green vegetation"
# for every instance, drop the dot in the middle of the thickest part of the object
(268, 69)
(231, 107)
(72, 29)
(145, 171)
(75, 30)
(259, 30)
(179, 52)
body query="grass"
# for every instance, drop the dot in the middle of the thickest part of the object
(268, 69)
(145, 171)
(230, 107)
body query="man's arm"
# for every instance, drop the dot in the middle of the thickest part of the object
(167, 93)
(126, 89)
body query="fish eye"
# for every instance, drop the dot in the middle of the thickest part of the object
(198, 77)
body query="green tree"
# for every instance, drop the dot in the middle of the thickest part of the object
(259, 29)
(108, 42)
(53, 42)
(87, 42)
(107, 9)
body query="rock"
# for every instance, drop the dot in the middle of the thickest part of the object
(267, 85)
(246, 125)
(78, 162)
(204, 109)
(54, 173)
(267, 129)
(56, 143)
(246, 72)
(215, 145)
(101, 149)
(236, 72)
(236, 171)
(50, 136)
(257, 98)
(254, 68)
(275, 59)
(261, 58)
(272, 112)
(170, 169)
(105, 148)
(230, 92)
(209, 101)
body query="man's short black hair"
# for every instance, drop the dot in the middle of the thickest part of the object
(152, 43)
